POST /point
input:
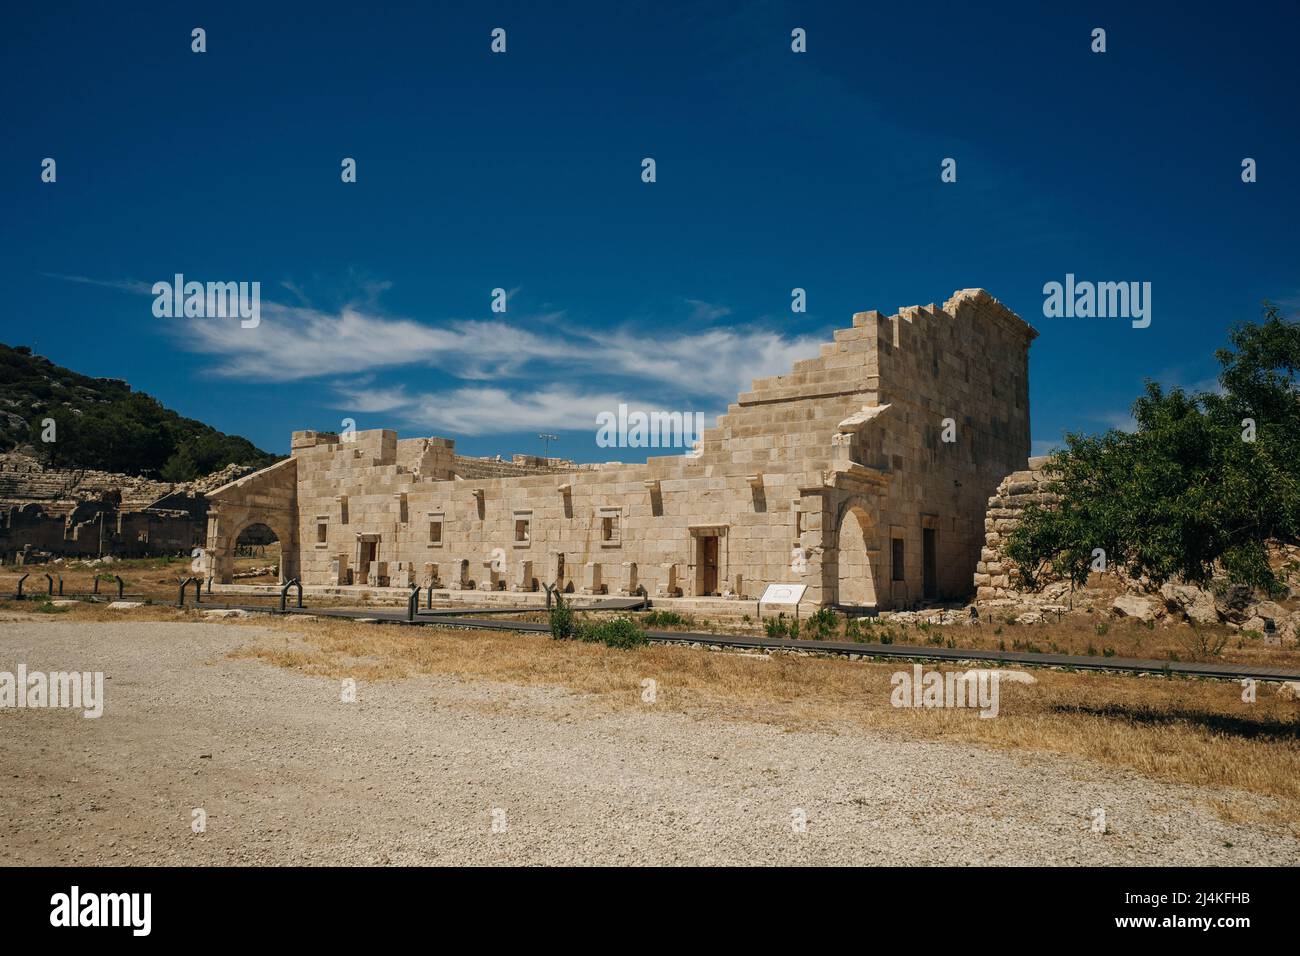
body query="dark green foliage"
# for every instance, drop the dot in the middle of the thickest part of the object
(1185, 492)
(781, 627)
(822, 624)
(620, 632)
(101, 424)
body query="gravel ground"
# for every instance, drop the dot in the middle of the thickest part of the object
(413, 771)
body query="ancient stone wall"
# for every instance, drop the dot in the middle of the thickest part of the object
(902, 426)
(267, 497)
(997, 580)
(80, 513)
(995, 574)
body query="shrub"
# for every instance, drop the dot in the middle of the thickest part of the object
(563, 626)
(620, 632)
(822, 624)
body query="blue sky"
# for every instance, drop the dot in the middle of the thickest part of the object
(523, 171)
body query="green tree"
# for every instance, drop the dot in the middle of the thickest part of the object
(1204, 481)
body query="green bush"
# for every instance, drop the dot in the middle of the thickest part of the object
(822, 624)
(563, 625)
(620, 632)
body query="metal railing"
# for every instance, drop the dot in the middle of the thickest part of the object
(284, 592)
(198, 591)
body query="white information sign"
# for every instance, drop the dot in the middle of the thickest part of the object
(783, 594)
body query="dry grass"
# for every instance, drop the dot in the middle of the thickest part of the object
(1175, 730)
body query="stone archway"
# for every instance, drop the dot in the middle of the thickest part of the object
(222, 551)
(267, 497)
(856, 559)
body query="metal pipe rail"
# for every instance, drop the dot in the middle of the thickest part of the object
(198, 591)
(284, 592)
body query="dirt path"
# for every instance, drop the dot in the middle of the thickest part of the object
(414, 770)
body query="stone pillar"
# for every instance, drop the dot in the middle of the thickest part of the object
(456, 575)
(815, 520)
(668, 586)
(557, 571)
(628, 583)
(591, 582)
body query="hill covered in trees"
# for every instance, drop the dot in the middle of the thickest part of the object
(101, 423)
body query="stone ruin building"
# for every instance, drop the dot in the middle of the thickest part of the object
(50, 512)
(863, 473)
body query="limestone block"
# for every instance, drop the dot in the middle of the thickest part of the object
(455, 574)
(668, 585)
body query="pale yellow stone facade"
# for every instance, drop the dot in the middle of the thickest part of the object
(863, 473)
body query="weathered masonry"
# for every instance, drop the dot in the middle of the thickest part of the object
(864, 473)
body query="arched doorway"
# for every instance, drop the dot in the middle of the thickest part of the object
(855, 545)
(257, 555)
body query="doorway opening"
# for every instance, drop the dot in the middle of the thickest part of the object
(856, 576)
(367, 554)
(929, 564)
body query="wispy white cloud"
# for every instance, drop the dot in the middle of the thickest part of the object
(293, 343)
(702, 311)
(487, 410)
(135, 286)
(522, 357)
(296, 342)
